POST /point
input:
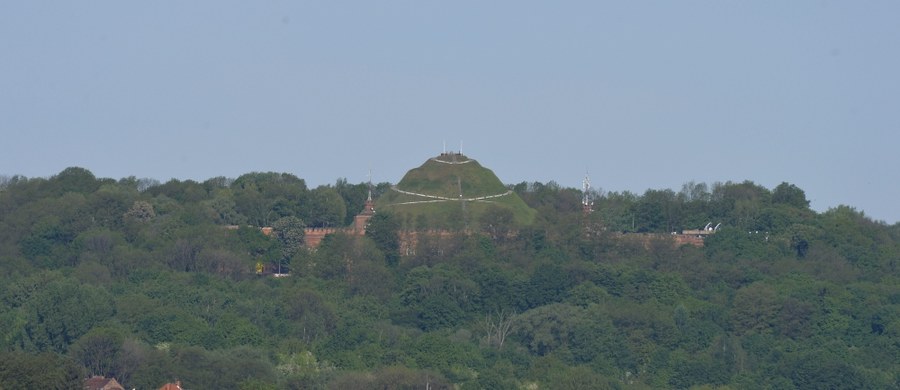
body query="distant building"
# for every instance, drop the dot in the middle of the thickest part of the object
(172, 386)
(101, 383)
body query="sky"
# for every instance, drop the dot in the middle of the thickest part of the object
(639, 94)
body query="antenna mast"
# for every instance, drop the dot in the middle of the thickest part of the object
(587, 204)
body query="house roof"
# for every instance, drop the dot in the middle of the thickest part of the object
(101, 383)
(171, 386)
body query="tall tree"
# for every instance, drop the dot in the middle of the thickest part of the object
(74, 179)
(290, 233)
(98, 352)
(791, 195)
(384, 230)
(325, 207)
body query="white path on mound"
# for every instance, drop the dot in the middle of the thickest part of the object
(435, 201)
(452, 162)
(444, 198)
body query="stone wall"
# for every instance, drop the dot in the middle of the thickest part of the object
(312, 237)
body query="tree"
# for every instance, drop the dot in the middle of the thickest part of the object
(791, 195)
(439, 296)
(695, 192)
(739, 204)
(6, 181)
(266, 197)
(801, 235)
(548, 284)
(384, 229)
(184, 254)
(354, 196)
(496, 221)
(658, 211)
(499, 291)
(755, 309)
(74, 179)
(46, 370)
(110, 204)
(290, 233)
(325, 207)
(98, 352)
(390, 378)
(224, 208)
(576, 378)
(131, 356)
(860, 240)
(198, 368)
(62, 312)
(616, 210)
(353, 259)
(548, 328)
(823, 370)
(187, 191)
(250, 203)
(498, 326)
(140, 211)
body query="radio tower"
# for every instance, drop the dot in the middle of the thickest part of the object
(587, 204)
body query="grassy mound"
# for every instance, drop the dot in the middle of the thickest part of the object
(451, 191)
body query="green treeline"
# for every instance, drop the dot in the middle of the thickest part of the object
(142, 281)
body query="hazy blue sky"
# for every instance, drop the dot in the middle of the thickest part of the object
(641, 94)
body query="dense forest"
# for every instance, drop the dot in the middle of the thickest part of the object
(142, 281)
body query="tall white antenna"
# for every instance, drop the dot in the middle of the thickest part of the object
(460, 146)
(587, 203)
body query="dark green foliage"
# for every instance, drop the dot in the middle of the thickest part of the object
(289, 232)
(790, 195)
(61, 312)
(499, 290)
(98, 351)
(383, 229)
(399, 378)
(326, 208)
(46, 370)
(310, 316)
(73, 179)
(817, 370)
(438, 297)
(548, 284)
(146, 282)
(691, 371)
(354, 197)
(265, 197)
(222, 369)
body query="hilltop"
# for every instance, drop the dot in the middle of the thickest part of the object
(452, 191)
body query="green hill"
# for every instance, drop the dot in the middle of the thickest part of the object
(451, 191)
